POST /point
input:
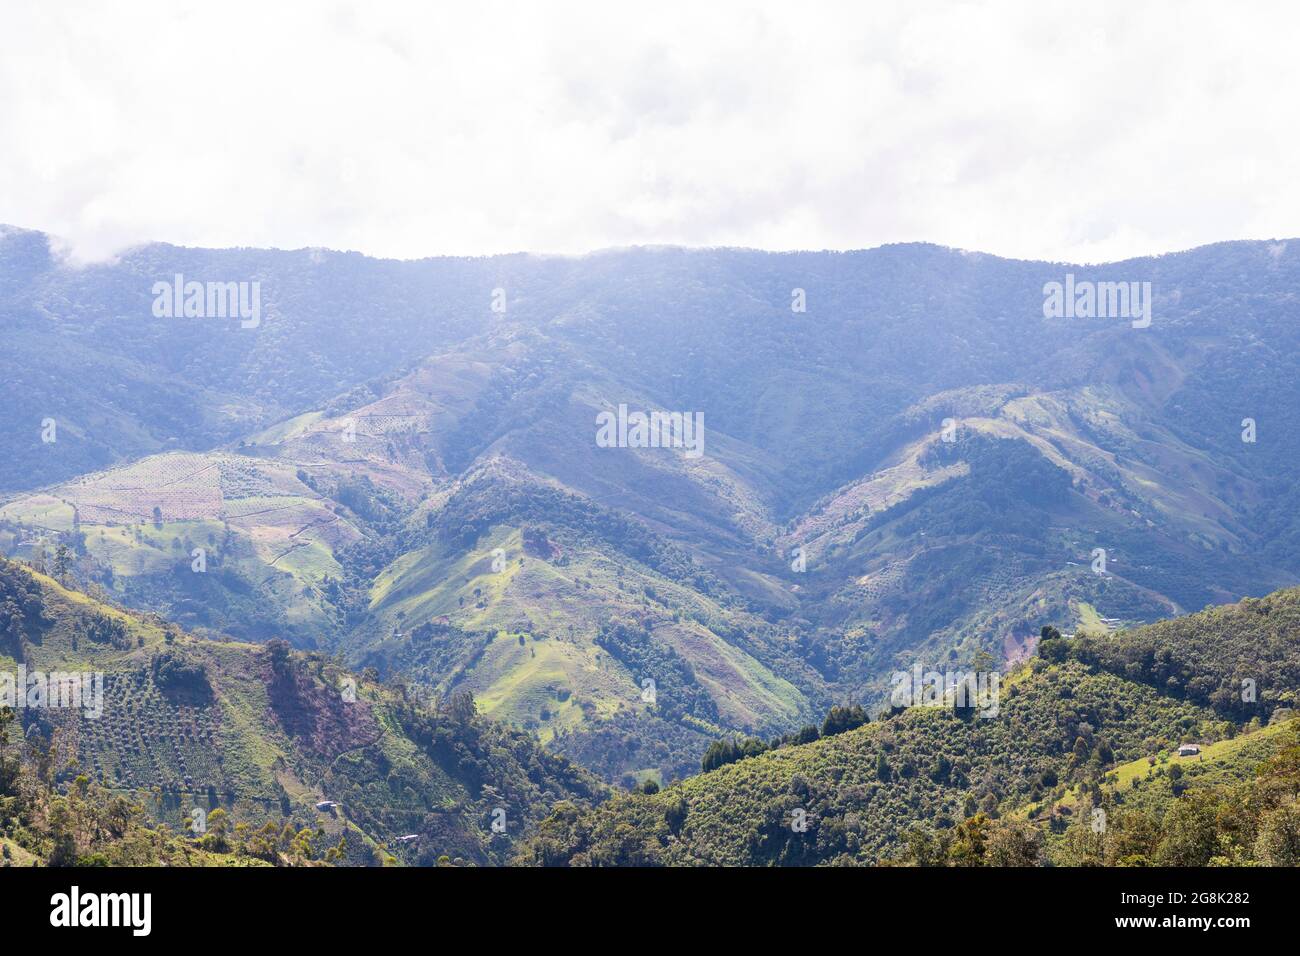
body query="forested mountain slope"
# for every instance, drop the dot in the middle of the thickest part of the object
(263, 734)
(399, 463)
(936, 784)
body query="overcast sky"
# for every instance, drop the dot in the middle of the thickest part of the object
(1080, 131)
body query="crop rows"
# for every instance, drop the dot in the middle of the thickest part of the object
(144, 740)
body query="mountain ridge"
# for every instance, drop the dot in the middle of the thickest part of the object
(12, 229)
(383, 432)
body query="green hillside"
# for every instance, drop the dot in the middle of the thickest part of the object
(261, 733)
(934, 785)
(556, 612)
(873, 490)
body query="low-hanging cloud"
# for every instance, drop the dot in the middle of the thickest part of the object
(1079, 133)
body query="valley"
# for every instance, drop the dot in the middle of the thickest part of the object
(920, 467)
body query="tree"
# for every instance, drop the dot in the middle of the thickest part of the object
(845, 718)
(218, 825)
(807, 734)
(676, 812)
(883, 772)
(921, 847)
(1011, 843)
(1278, 843)
(62, 825)
(462, 708)
(1084, 845)
(62, 559)
(277, 650)
(970, 842)
(1190, 836)
(9, 769)
(1052, 647)
(1284, 766)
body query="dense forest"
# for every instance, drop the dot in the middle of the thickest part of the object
(1079, 731)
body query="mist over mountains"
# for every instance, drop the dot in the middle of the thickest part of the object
(904, 460)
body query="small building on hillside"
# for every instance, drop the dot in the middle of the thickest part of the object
(1189, 750)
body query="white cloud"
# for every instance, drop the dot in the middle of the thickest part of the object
(1079, 132)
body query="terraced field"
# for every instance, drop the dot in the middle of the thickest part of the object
(147, 532)
(143, 740)
(266, 734)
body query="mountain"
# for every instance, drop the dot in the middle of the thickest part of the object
(399, 463)
(1075, 762)
(304, 761)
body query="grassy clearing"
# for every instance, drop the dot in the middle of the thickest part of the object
(1218, 753)
(1089, 620)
